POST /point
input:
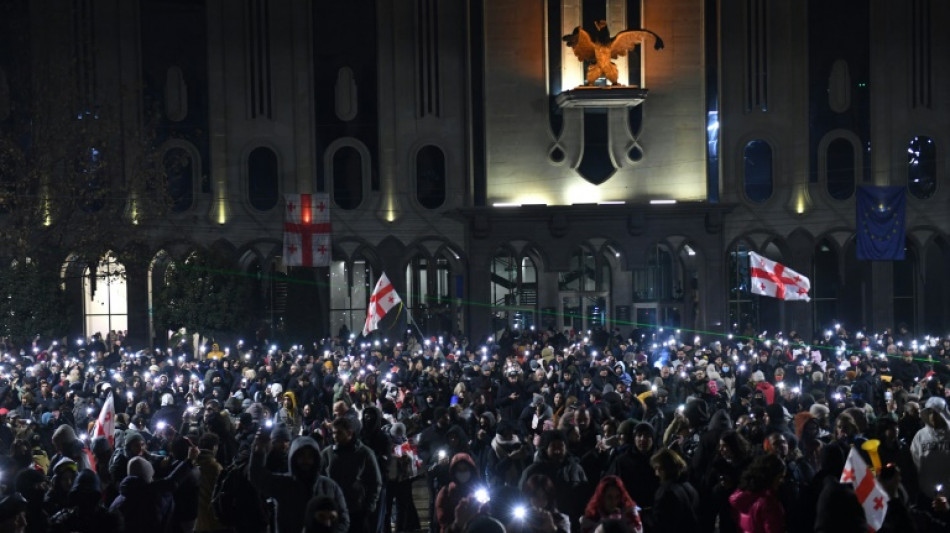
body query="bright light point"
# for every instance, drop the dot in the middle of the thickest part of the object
(662, 202)
(520, 512)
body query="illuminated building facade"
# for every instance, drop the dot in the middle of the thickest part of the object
(463, 160)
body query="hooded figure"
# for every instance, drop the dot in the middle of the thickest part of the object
(302, 482)
(464, 482)
(85, 512)
(30, 484)
(147, 505)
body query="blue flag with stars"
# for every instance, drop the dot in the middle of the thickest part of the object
(880, 223)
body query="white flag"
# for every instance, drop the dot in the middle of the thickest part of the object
(769, 278)
(869, 492)
(105, 424)
(383, 299)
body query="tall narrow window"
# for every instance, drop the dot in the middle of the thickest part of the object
(430, 177)
(262, 179)
(106, 305)
(840, 167)
(347, 178)
(349, 294)
(825, 285)
(921, 167)
(743, 308)
(757, 158)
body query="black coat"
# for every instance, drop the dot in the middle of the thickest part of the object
(675, 508)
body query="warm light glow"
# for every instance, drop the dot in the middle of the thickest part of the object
(800, 204)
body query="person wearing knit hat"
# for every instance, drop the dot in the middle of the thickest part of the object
(147, 504)
(141, 468)
(85, 511)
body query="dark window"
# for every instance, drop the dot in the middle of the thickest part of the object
(262, 179)
(179, 179)
(758, 171)
(347, 178)
(921, 167)
(430, 177)
(840, 169)
(825, 284)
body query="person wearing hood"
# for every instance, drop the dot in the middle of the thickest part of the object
(63, 475)
(288, 413)
(464, 482)
(135, 446)
(146, 504)
(32, 485)
(632, 464)
(554, 461)
(295, 488)
(84, 512)
(353, 466)
(66, 444)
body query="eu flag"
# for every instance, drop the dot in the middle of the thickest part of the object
(880, 223)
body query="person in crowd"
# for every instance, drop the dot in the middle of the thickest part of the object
(756, 501)
(353, 466)
(303, 481)
(611, 502)
(147, 504)
(563, 469)
(84, 512)
(676, 503)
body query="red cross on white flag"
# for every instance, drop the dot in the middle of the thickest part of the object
(306, 230)
(769, 278)
(383, 299)
(105, 424)
(872, 496)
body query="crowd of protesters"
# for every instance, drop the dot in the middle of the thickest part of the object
(537, 430)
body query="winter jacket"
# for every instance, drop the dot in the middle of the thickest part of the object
(208, 471)
(294, 489)
(569, 481)
(353, 467)
(148, 507)
(930, 450)
(450, 495)
(675, 508)
(758, 512)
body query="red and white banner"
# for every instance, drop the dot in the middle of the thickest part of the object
(383, 299)
(307, 230)
(769, 278)
(869, 492)
(105, 424)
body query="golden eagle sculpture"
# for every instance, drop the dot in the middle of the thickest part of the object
(601, 48)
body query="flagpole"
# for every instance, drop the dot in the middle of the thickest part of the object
(412, 321)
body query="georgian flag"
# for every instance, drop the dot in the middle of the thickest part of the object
(105, 424)
(306, 230)
(383, 299)
(769, 278)
(869, 492)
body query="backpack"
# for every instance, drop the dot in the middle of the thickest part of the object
(234, 500)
